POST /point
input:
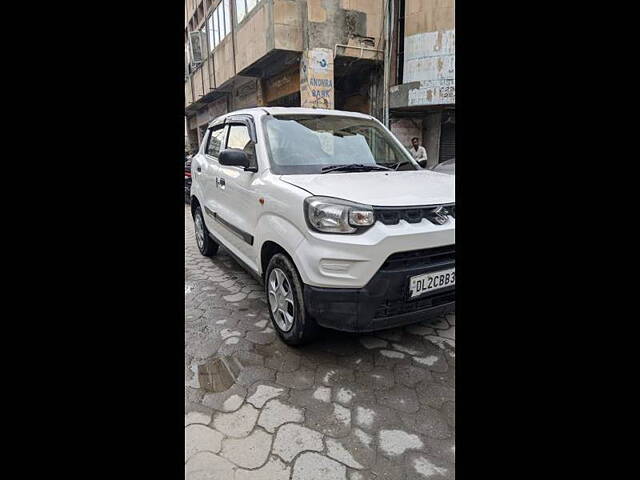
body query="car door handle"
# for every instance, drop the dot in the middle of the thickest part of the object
(222, 183)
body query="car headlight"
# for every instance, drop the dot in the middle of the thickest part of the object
(332, 215)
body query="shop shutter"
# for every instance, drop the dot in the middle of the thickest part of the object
(447, 141)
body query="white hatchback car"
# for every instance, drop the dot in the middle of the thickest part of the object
(331, 213)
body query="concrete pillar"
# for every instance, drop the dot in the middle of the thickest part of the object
(260, 100)
(431, 137)
(317, 88)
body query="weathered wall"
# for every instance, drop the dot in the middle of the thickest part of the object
(196, 80)
(374, 10)
(207, 76)
(429, 53)
(245, 94)
(287, 25)
(223, 61)
(429, 16)
(355, 103)
(252, 35)
(188, 97)
(405, 129)
(431, 137)
(280, 85)
(429, 59)
(217, 108)
(351, 22)
(427, 129)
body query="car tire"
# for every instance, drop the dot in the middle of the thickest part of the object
(206, 245)
(284, 290)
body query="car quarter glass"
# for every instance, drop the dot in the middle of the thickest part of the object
(215, 140)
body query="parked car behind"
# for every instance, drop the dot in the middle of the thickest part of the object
(331, 213)
(448, 166)
(187, 179)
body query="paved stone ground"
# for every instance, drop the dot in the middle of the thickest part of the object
(353, 407)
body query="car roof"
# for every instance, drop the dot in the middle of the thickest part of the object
(261, 111)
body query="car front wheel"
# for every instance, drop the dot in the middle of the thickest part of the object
(286, 302)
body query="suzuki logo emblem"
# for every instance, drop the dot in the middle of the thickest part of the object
(440, 215)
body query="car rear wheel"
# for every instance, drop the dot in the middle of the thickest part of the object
(284, 291)
(206, 245)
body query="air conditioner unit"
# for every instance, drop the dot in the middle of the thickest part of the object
(197, 47)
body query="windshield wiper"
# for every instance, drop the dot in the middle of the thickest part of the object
(353, 167)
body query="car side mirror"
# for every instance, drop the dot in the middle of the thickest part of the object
(235, 158)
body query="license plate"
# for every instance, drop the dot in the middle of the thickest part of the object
(428, 282)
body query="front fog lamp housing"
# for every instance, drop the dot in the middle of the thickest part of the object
(332, 215)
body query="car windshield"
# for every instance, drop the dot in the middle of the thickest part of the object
(332, 144)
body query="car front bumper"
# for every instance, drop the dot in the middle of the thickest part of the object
(350, 261)
(384, 301)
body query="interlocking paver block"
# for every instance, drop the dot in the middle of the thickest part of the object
(419, 330)
(336, 451)
(292, 439)
(274, 469)
(425, 468)
(276, 413)
(217, 401)
(373, 342)
(434, 395)
(427, 421)
(313, 466)
(399, 398)
(301, 378)
(322, 394)
(207, 466)
(197, 417)
(248, 452)
(237, 424)
(396, 442)
(263, 394)
(232, 403)
(199, 438)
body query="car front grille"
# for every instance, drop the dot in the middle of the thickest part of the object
(393, 215)
(407, 264)
(415, 259)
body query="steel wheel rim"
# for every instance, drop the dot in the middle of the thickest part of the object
(199, 231)
(281, 299)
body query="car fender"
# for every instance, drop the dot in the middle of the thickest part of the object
(275, 228)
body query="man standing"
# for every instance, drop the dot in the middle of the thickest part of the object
(418, 152)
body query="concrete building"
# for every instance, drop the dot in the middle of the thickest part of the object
(423, 78)
(244, 53)
(325, 53)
